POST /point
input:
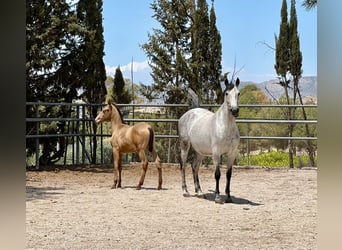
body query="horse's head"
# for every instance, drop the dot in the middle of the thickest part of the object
(231, 96)
(110, 113)
(104, 115)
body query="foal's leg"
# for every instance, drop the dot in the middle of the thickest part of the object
(216, 160)
(185, 146)
(120, 169)
(144, 164)
(157, 161)
(195, 168)
(116, 156)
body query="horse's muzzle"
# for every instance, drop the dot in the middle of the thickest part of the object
(235, 112)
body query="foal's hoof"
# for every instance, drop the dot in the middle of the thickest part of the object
(186, 194)
(113, 187)
(138, 187)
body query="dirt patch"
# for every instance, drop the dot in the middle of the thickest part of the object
(76, 209)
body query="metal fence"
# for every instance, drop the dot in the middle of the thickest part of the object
(78, 133)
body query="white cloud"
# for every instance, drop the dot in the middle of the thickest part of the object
(141, 71)
(137, 67)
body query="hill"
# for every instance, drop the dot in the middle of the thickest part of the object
(307, 86)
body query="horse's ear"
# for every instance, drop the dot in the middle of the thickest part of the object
(109, 100)
(226, 82)
(237, 82)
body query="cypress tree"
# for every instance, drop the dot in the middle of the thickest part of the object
(215, 58)
(120, 93)
(282, 47)
(200, 51)
(296, 72)
(282, 67)
(89, 13)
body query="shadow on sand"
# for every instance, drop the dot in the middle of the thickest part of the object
(236, 200)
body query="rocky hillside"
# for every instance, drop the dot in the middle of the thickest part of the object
(307, 85)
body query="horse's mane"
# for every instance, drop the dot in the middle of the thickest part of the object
(116, 107)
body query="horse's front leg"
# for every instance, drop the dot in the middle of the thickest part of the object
(117, 178)
(216, 160)
(228, 175)
(120, 170)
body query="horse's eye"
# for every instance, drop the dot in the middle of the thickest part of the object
(238, 94)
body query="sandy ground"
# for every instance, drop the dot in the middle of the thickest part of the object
(77, 209)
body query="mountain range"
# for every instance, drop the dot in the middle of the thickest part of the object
(271, 88)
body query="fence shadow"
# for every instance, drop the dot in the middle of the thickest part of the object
(41, 193)
(77, 168)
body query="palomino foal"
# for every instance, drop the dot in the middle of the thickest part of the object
(128, 139)
(211, 134)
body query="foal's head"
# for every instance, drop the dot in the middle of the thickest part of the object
(231, 96)
(109, 112)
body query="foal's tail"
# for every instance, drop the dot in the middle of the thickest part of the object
(151, 140)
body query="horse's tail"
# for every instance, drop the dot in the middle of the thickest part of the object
(193, 100)
(151, 140)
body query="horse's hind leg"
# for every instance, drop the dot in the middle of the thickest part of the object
(144, 164)
(195, 168)
(157, 161)
(185, 146)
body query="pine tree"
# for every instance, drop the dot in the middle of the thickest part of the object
(51, 37)
(309, 4)
(168, 49)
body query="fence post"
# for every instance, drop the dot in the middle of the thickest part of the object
(77, 136)
(37, 139)
(83, 134)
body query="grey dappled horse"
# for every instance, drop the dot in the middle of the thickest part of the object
(211, 134)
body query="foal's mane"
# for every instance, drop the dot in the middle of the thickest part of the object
(118, 110)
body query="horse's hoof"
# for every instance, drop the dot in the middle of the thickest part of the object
(229, 200)
(138, 187)
(186, 194)
(218, 200)
(159, 188)
(201, 195)
(113, 187)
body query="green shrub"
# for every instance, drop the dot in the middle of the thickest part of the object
(273, 159)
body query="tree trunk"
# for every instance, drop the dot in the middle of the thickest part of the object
(310, 148)
(290, 126)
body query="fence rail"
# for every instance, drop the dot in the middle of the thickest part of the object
(80, 117)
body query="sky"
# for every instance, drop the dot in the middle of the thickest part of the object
(245, 27)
